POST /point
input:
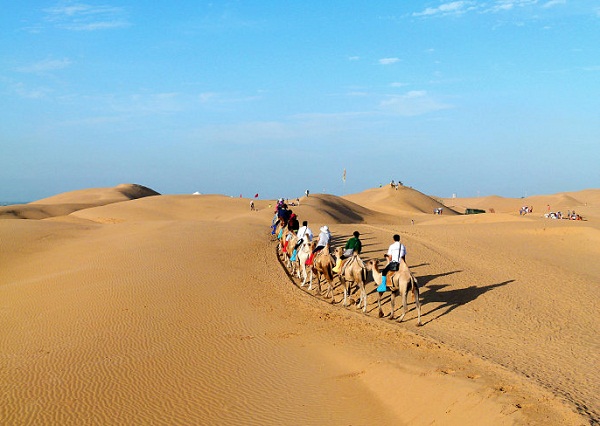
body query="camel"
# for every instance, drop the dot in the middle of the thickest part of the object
(353, 271)
(289, 244)
(322, 266)
(302, 255)
(400, 282)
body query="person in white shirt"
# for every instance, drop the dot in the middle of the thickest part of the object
(304, 234)
(324, 237)
(395, 253)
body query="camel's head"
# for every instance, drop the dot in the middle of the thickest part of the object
(338, 251)
(373, 265)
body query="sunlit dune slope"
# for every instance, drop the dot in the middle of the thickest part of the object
(68, 202)
(402, 201)
(564, 201)
(174, 207)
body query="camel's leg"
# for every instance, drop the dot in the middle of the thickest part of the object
(417, 303)
(363, 296)
(330, 288)
(318, 283)
(393, 303)
(404, 304)
(379, 304)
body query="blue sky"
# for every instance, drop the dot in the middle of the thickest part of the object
(238, 97)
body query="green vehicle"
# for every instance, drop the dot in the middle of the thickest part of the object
(474, 211)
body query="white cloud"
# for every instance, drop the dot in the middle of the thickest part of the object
(398, 84)
(504, 5)
(45, 66)
(453, 8)
(552, 3)
(416, 102)
(388, 61)
(85, 17)
(353, 58)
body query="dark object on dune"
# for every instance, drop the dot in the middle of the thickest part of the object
(474, 211)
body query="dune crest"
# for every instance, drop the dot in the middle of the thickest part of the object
(68, 202)
(405, 200)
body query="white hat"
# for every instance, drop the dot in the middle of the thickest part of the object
(324, 228)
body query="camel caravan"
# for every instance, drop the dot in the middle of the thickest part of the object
(309, 258)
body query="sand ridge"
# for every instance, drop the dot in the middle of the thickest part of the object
(174, 309)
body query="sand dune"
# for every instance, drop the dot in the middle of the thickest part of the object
(174, 309)
(558, 202)
(68, 202)
(404, 202)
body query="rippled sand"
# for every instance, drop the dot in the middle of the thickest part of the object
(176, 310)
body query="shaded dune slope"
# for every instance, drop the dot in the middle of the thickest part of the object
(331, 209)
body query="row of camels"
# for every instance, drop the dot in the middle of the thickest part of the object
(352, 272)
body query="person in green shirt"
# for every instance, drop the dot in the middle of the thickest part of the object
(353, 245)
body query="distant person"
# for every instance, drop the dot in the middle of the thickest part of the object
(251, 205)
(395, 253)
(307, 192)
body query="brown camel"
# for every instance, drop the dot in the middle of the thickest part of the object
(353, 271)
(322, 266)
(399, 282)
(289, 244)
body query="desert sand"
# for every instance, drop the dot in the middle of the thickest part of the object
(123, 306)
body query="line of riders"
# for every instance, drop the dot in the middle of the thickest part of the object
(306, 256)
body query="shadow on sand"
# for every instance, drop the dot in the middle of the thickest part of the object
(452, 299)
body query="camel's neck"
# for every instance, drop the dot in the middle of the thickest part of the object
(376, 275)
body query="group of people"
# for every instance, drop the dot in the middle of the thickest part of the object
(571, 215)
(525, 210)
(284, 218)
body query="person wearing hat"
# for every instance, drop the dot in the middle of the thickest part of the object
(353, 245)
(395, 253)
(324, 237)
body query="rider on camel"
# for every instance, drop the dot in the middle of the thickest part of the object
(395, 253)
(353, 245)
(324, 237)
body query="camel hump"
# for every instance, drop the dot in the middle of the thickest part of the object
(360, 262)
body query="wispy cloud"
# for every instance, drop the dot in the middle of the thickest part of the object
(411, 104)
(453, 8)
(457, 8)
(504, 5)
(85, 17)
(388, 61)
(552, 3)
(45, 66)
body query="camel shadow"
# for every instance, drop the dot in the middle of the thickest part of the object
(424, 279)
(452, 299)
